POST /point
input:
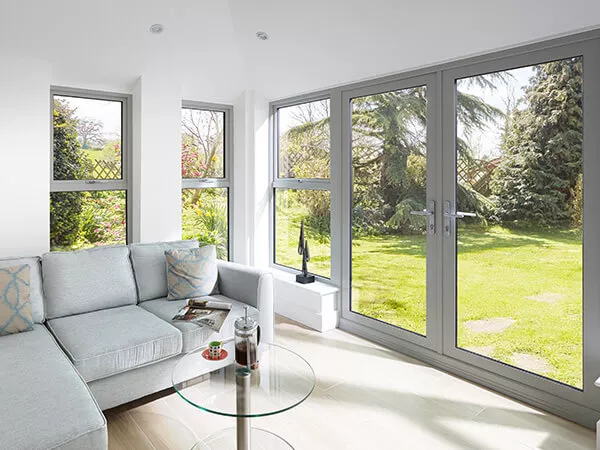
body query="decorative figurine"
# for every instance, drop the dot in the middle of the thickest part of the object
(305, 277)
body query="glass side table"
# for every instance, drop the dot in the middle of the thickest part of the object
(282, 381)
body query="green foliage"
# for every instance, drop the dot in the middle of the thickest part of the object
(69, 164)
(81, 219)
(536, 182)
(205, 217)
(102, 218)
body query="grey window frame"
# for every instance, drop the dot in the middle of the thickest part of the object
(124, 184)
(319, 184)
(226, 181)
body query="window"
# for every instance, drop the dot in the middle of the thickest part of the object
(205, 149)
(88, 199)
(302, 186)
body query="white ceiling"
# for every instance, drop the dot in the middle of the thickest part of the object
(211, 47)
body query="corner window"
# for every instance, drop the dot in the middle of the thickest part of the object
(89, 184)
(205, 150)
(302, 188)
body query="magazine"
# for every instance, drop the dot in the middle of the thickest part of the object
(208, 313)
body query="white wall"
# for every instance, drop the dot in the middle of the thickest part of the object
(251, 191)
(24, 156)
(156, 158)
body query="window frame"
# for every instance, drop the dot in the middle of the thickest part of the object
(308, 184)
(124, 184)
(226, 181)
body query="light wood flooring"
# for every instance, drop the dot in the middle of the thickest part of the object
(367, 398)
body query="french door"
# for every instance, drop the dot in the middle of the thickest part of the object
(469, 207)
(394, 247)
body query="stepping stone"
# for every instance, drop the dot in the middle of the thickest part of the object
(532, 363)
(495, 325)
(546, 297)
(486, 350)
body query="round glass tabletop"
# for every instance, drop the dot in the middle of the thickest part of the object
(282, 380)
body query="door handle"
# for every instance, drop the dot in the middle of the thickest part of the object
(451, 214)
(430, 213)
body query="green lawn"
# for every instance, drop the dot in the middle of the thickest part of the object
(534, 280)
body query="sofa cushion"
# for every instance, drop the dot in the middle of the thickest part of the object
(191, 272)
(15, 303)
(45, 402)
(35, 284)
(87, 280)
(110, 341)
(150, 266)
(194, 335)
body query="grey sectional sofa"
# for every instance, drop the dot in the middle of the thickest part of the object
(103, 336)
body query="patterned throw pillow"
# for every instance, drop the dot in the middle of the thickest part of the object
(191, 272)
(15, 301)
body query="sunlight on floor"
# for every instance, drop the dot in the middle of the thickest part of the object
(367, 397)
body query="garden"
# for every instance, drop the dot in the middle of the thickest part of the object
(519, 168)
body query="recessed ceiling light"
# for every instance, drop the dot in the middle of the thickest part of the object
(157, 28)
(262, 35)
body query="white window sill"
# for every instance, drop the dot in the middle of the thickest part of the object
(314, 305)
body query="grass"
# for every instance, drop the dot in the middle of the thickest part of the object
(498, 271)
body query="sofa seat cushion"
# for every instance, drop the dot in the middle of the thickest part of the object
(195, 335)
(44, 401)
(110, 341)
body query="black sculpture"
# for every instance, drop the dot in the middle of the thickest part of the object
(304, 277)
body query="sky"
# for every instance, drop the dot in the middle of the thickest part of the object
(107, 112)
(486, 143)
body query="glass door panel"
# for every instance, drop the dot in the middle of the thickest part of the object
(390, 209)
(519, 139)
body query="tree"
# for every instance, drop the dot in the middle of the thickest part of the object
(536, 183)
(69, 164)
(90, 133)
(202, 144)
(389, 153)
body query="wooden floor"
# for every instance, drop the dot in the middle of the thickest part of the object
(367, 398)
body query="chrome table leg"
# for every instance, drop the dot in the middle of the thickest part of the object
(242, 377)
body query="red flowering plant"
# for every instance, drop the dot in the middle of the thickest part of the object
(103, 218)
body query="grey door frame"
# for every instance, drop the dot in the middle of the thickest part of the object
(432, 340)
(589, 396)
(584, 408)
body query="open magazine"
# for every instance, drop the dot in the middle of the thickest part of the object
(209, 313)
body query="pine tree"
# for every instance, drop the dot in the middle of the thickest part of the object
(536, 182)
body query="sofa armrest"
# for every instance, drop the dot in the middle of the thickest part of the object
(253, 287)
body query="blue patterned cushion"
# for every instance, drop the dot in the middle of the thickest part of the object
(15, 301)
(191, 272)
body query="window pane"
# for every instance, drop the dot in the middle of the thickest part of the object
(205, 217)
(389, 181)
(87, 139)
(304, 140)
(291, 208)
(519, 262)
(202, 143)
(87, 219)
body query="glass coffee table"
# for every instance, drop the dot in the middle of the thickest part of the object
(282, 381)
